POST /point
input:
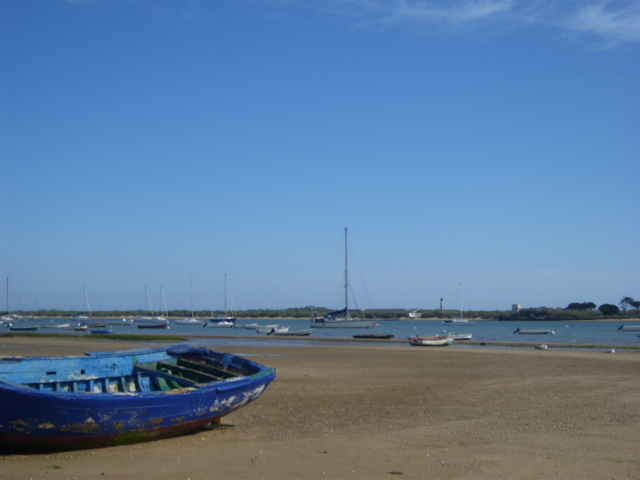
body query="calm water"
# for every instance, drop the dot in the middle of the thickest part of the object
(589, 333)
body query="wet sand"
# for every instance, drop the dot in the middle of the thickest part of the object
(382, 412)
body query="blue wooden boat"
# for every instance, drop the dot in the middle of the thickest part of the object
(120, 397)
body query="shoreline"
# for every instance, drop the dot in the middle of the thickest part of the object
(140, 338)
(430, 319)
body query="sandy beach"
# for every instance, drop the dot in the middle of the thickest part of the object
(382, 412)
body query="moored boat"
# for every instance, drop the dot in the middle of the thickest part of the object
(342, 318)
(418, 341)
(381, 336)
(23, 328)
(113, 398)
(459, 321)
(291, 333)
(157, 326)
(226, 317)
(55, 325)
(275, 330)
(189, 321)
(125, 322)
(629, 328)
(458, 336)
(534, 332)
(102, 331)
(267, 328)
(220, 324)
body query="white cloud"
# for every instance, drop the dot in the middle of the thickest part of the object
(607, 21)
(610, 22)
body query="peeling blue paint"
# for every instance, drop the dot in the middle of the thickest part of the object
(110, 398)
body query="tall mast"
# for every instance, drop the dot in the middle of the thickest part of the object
(7, 294)
(164, 300)
(460, 285)
(225, 294)
(346, 275)
(191, 288)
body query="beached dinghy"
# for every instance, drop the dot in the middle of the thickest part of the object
(458, 336)
(290, 333)
(114, 398)
(417, 341)
(381, 336)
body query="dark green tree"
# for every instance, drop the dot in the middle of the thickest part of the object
(581, 306)
(608, 309)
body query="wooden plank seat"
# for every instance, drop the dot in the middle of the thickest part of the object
(186, 372)
(170, 380)
(205, 368)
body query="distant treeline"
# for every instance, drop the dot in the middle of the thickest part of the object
(575, 311)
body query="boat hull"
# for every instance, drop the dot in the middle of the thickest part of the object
(375, 337)
(322, 323)
(159, 326)
(629, 328)
(534, 332)
(268, 328)
(292, 333)
(218, 325)
(45, 420)
(430, 341)
(459, 322)
(195, 323)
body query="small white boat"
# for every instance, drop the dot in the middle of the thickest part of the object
(534, 332)
(248, 326)
(221, 324)
(189, 321)
(418, 341)
(629, 328)
(55, 325)
(125, 322)
(265, 328)
(271, 330)
(292, 333)
(459, 336)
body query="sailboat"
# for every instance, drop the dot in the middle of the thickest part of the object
(223, 320)
(146, 321)
(461, 320)
(342, 318)
(14, 316)
(6, 319)
(83, 315)
(190, 320)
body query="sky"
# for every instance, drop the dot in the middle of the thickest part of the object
(486, 152)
